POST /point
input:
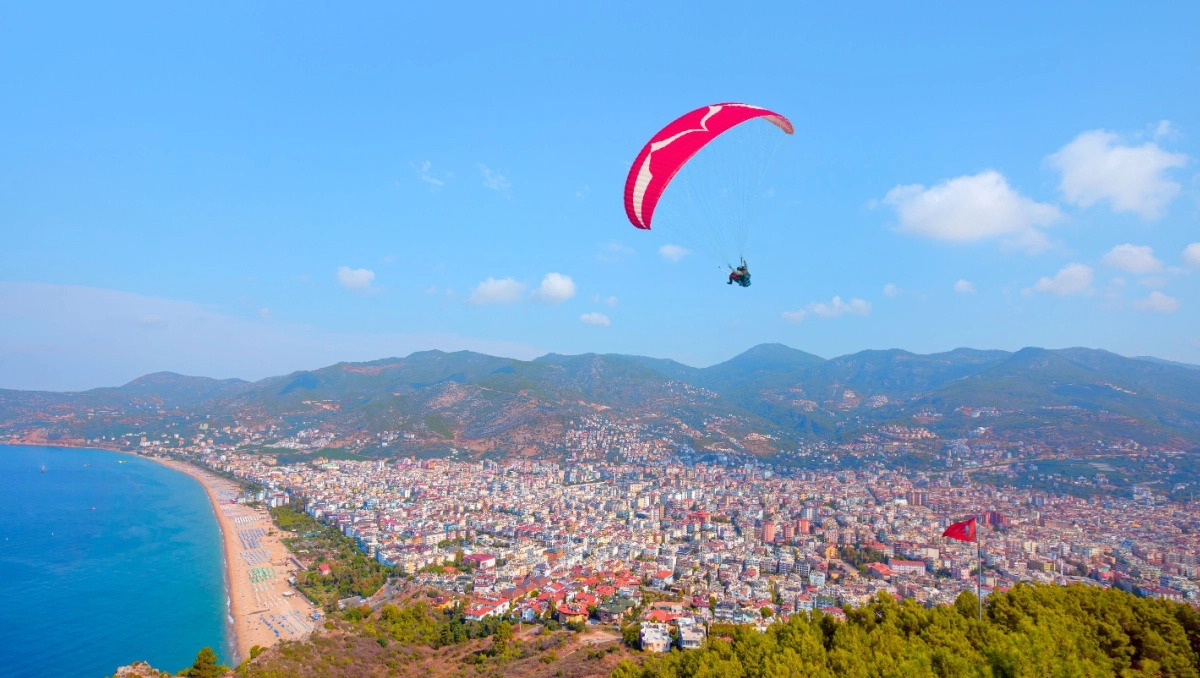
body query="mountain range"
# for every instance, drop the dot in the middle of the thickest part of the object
(489, 403)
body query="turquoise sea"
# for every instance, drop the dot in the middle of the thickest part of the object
(103, 564)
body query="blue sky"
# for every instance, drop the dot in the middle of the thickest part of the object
(241, 190)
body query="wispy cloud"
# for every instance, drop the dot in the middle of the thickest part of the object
(1097, 167)
(595, 319)
(795, 317)
(497, 291)
(891, 291)
(355, 279)
(614, 252)
(1158, 303)
(555, 289)
(973, 208)
(495, 180)
(836, 307)
(1133, 258)
(964, 287)
(1071, 280)
(425, 174)
(673, 252)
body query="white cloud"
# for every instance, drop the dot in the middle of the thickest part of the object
(431, 290)
(611, 302)
(1133, 258)
(837, 307)
(964, 287)
(795, 317)
(1070, 280)
(494, 180)
(264, 313)
(1164, 129)
(1158, 302)
(1095, 167)
(1191, 255)
(613, 252)
(891, 291)
(973, 208)
(595, 319)
(673, 252)
(355, 279)
(493, 291)
(425, 174)
(555, 289)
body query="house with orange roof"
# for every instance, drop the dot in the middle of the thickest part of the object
(571, 612)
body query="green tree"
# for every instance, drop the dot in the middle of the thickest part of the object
(632, 635)
(206, 665)
(503, 632)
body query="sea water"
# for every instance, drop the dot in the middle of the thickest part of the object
(103, 564)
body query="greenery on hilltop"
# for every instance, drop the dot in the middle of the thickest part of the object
(205, 666)
(1032, 630)
(351, 572)
(415, 639)
(1028, 631)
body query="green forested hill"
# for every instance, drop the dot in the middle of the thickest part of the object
(1029, 631)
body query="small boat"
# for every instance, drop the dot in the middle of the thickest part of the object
(122, 461)
(93, 508)
(43, 468)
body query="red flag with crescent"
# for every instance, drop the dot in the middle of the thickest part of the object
(964, 531)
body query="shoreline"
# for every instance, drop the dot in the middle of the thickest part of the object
(232, 601)
(262, 609)
(260, 606)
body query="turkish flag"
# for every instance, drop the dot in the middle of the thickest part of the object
(964, 531)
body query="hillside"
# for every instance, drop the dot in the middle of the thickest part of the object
(486, 404)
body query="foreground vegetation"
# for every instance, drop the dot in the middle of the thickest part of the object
(415, 639)
(1029, 631)
(351, 572)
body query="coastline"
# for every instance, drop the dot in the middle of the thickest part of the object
(260, 607)
(251, 605)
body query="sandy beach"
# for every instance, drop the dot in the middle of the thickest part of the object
(263, 606)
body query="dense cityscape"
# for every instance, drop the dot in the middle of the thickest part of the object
(632, 513)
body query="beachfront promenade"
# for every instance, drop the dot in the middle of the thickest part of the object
(263, 606)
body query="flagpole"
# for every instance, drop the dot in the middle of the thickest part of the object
(979, 570)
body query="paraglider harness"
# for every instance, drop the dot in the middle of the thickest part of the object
(739, 275)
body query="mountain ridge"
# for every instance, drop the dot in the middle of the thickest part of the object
(485, 402)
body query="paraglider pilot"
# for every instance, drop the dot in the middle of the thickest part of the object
(740, 275)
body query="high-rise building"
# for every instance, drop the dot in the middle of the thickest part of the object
(768, 531)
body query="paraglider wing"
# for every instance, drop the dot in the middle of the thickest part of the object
(663, 156)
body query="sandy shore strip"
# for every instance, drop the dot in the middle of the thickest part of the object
(263, 606)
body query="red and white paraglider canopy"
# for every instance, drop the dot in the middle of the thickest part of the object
(669, 150)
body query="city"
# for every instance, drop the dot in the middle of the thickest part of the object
(631, 514)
